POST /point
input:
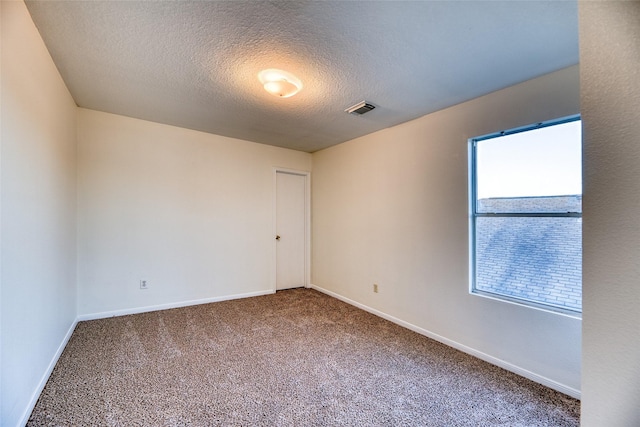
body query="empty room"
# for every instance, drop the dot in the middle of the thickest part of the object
(286, 213)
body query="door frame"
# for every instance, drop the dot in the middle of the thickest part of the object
(307, 225)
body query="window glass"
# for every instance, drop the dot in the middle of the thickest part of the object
(543, 161)
(531, 258)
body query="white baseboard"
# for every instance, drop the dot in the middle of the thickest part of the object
(45, 377)
(562, 388)
(137, 310)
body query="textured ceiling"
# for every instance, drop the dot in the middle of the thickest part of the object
(195, 64)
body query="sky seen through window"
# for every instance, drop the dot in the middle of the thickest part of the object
(540, 162)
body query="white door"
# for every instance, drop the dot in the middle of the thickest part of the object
(290, 230)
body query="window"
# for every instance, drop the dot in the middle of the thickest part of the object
(526, 215)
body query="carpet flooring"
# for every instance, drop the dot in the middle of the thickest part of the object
(294, 358)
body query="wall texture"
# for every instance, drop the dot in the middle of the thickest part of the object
(190, 212)
(610, 103)
(38, 178)
(392, 208)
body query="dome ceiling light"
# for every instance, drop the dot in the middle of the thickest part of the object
(279, 83)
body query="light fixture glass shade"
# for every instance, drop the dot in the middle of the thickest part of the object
(279, 83)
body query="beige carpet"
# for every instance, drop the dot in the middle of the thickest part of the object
(296, 358)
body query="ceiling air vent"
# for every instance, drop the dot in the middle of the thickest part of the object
(360, 108)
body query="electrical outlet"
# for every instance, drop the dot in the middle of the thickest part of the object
(375, 288)
(144, 284)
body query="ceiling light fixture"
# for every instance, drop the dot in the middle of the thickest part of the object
(279, 83)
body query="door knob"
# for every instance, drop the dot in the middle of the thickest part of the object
(277, 237)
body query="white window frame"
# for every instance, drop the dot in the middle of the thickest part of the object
(474, 214)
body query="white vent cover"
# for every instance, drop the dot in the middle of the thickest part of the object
(360, 108)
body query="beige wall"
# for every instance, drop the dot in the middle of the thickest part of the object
(190, 212)
(610, 102)
(38, 179)
(392, 208)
